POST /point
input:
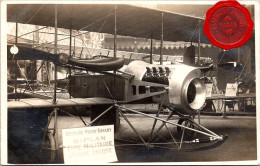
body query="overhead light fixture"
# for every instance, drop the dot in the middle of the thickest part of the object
(14, 50)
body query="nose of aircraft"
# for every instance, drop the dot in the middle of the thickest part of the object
(187, 91)
(195, 93)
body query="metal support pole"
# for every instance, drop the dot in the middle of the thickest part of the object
(115, 33)
(47, 126)
(77, 112)
(55, 133)
(199, 116)
(182, 135)
(33, 40)
(198, 62)
(151, 50)
(74, 48)
(130, 57)
(161, 50)
(70, 57)
(163, 124)
(16, 67)
(154, 123)
(108, 53)
(136, 132)
(224, 111)
(16, 33)
(172, 137)
(55, 52)
(157, 115)
(238, 55)
(100, 115)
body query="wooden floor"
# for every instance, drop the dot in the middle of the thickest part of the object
(240, 145)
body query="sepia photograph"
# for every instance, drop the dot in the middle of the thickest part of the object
(134, 82)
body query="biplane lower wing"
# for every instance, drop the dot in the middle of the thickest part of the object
(43, 103)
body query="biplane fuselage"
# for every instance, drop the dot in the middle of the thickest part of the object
(177, 86)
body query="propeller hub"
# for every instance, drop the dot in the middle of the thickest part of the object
(63, 58)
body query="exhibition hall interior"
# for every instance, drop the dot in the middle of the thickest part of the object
(125, 83)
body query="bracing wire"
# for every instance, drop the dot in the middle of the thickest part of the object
(102, 27)
(37, 11)
(75, 35)
(191, 36)
(243, 68)
(108, 89)
(27, 33)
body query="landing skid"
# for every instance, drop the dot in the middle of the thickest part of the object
(188, 146)
(188, 132)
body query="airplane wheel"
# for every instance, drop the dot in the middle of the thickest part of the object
(188, 134)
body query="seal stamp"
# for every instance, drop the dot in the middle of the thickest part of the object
(228, 24)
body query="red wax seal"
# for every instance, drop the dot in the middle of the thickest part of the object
(228, 24)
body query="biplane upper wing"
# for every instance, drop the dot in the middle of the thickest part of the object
(131, 20)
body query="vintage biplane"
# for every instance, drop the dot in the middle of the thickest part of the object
(178, 87)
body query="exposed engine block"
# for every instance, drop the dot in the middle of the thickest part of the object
(157, 75)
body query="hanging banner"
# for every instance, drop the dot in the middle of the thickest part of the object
(89, 145)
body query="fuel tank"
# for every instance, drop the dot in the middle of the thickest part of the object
(187, 92)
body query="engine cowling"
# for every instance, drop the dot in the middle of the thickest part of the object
(187, 92)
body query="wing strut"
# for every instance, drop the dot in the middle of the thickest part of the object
(55, 52)
(115, 33)
(70, 57)
(151, 49)
(198, 62)
(16, 38)
(161, 50)
(55, 82)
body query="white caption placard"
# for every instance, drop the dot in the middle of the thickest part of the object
(209, 89)
(231, 89)
(89, 145)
